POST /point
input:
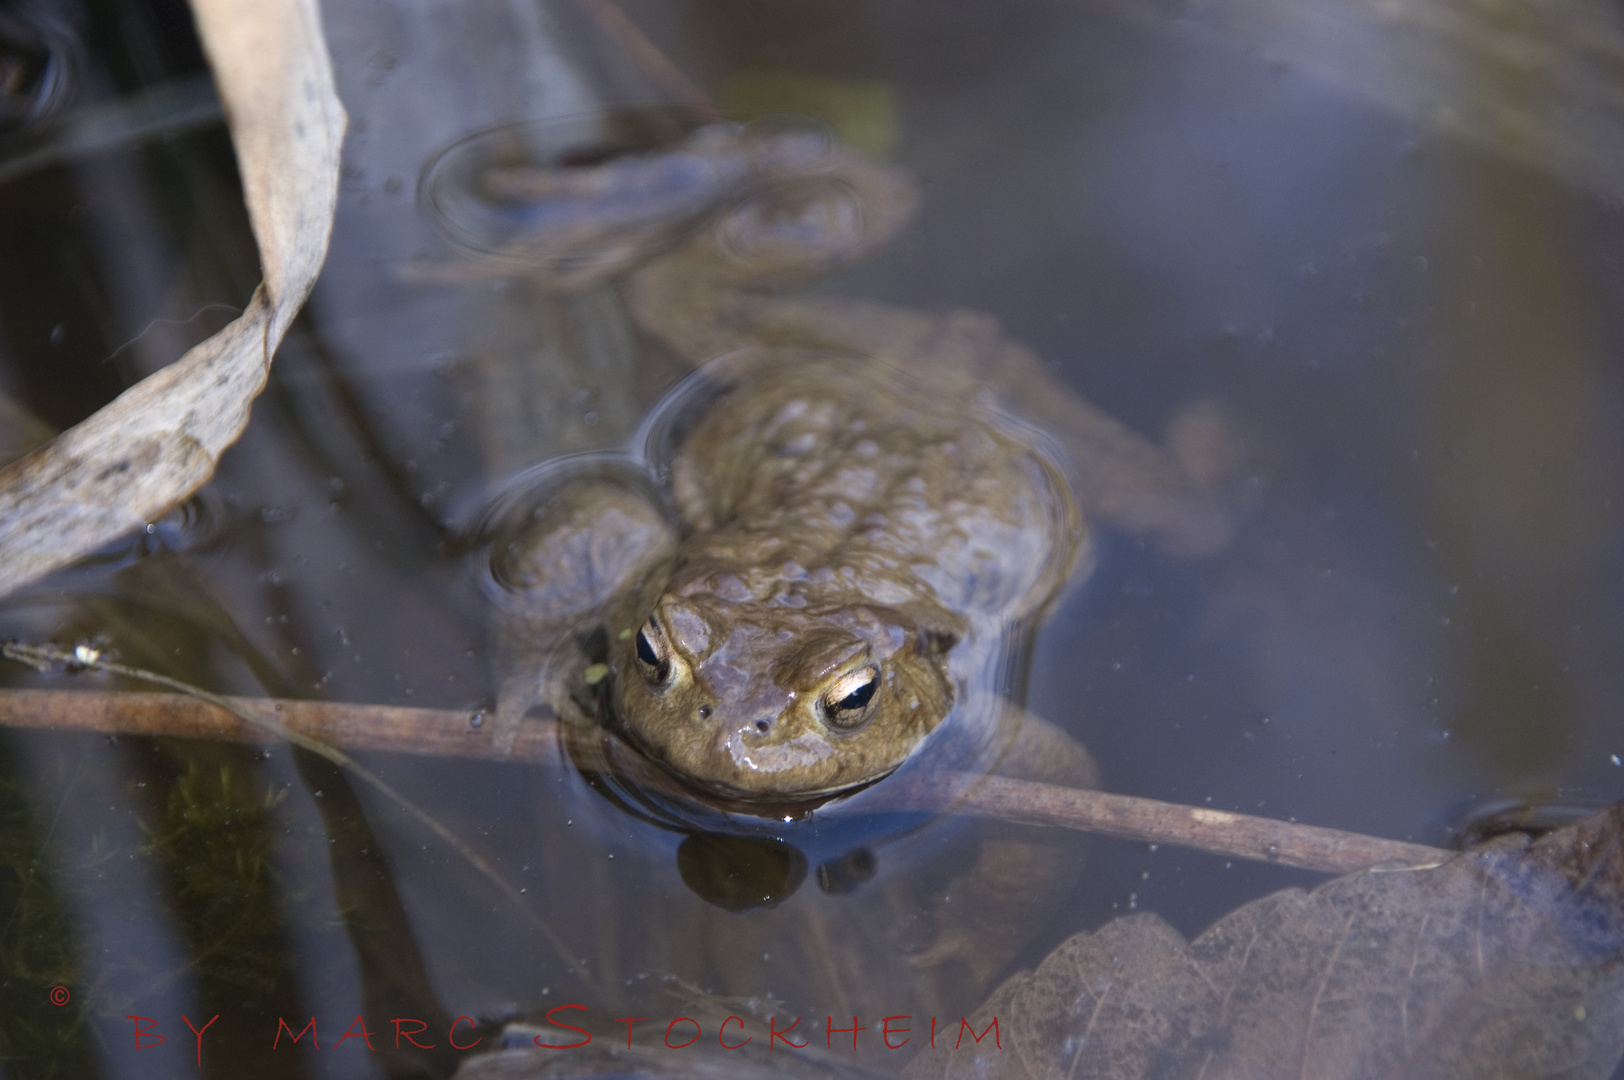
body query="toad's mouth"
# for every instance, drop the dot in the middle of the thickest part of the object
(770, 794)
(641, 782)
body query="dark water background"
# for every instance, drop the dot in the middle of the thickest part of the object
(1414, 310)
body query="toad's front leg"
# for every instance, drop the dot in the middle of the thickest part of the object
(561, 556)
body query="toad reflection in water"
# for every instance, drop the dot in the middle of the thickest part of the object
(819, 566)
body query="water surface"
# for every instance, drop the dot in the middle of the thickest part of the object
(1409, 303)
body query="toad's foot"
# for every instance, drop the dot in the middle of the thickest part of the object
(985, 917)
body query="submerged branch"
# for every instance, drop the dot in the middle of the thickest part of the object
(642, 52)
(464, 734)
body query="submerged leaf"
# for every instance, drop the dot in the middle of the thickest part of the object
(1507, 961)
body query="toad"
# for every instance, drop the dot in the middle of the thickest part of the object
(856, 510)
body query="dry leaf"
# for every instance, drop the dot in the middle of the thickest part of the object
(1507, 961)
(160, 440)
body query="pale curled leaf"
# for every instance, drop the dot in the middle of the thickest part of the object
(1507, 961)
(160, 440)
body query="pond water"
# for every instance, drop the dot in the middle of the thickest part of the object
(1386, 253)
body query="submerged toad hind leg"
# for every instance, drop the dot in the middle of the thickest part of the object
(558, 562)
(1182, 495)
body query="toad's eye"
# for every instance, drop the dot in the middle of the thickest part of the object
(850, 701)
(654, 654)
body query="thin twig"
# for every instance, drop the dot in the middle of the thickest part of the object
(450, 733)
(428, 732)
(44, 657)
(1218, 832)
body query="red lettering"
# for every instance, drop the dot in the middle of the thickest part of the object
(690, 1042)
(885, 1032)
(199, 1033)
(629, 1021)
(567, 1027)
(964, 1025)
(732, 1046)
(282, 1025)
(774, 1034)
(831, 1031)
(407, 1035)
(933, 1033)
(147, 1031)
(365, 1036)
(451, 1036)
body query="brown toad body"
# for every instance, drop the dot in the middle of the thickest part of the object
(856, 544)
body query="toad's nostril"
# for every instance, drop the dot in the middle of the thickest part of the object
(764, 725)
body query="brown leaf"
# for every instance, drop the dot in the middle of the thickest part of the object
(159, 441)
(1507, 961)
